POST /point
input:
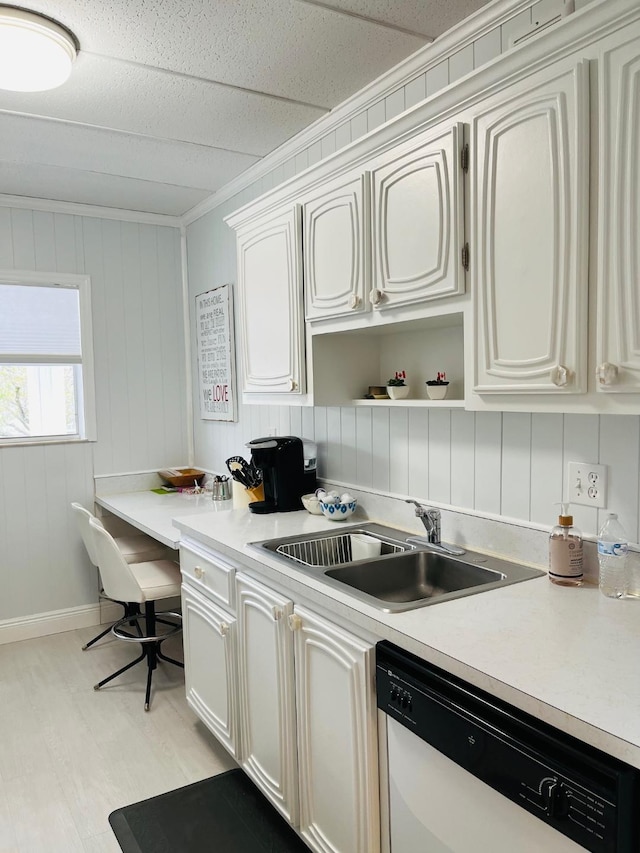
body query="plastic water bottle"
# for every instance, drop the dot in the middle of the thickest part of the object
(612, 557)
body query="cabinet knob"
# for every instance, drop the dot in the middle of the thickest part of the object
(560, 376)
(607, 373)
(295, 622)
(198, 572)
(375, 297)
(354, 301)
(224, 629)
(292, 385)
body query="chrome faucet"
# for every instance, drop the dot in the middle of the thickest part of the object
(431, 519)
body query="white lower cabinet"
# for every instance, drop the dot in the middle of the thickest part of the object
(307, 719)
(266, 693)
(337, 748)
(209, 662)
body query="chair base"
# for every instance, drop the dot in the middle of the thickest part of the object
(149, 640)
(130, 610)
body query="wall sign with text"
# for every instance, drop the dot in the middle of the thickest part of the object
(216, 367)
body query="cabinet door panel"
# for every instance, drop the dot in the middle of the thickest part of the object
(335, 241)
(209, 663)
(337, 752)
(618, 342)
(266, 692)
(417, 221)
(529, 247)
(270, 286)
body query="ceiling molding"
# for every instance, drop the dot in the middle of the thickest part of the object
(75, 209)
(457, 38)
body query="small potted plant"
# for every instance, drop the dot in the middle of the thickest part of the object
(397, 389)
(437, 388)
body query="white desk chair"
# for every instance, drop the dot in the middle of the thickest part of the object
(135, 548)
(142, 583)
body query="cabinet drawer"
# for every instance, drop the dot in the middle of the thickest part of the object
(209, 573)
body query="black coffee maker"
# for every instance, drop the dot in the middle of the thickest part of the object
(281, 461)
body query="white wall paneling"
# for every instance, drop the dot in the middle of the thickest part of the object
(619, 449)
(140, 397)
(516, 464)
(547, 436)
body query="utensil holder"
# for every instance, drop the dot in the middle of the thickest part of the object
(243, 497)
(221, 491)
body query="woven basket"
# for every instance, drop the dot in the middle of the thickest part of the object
(185, 477)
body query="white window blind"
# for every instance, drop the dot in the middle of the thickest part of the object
(46, 357)
(38, 321)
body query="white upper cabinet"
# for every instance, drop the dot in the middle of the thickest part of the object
(529, 230)
(270, 291)
(618, 315)
(336, 248)
(417, 220)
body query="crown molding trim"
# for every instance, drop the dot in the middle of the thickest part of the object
(457, 38)
(47, 205)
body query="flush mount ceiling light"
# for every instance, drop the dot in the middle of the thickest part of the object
(36, 53)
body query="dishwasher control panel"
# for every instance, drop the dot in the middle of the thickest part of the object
(586, 795)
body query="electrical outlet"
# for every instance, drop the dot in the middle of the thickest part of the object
(587, 484)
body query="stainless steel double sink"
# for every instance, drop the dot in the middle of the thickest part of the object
(402, 576)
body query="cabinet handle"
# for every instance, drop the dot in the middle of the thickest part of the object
(198, 572)
(295, 622)
(292, 385)
(560, 376)
(224, 629)
(354, 301)
(375, 297)
(607, 373)
(277, 613)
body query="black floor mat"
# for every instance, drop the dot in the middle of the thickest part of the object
(223, 814)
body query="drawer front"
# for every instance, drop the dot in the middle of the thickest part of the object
(209, 573)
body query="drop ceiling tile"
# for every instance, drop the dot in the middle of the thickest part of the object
(293, 49)
(50, 142)
(52, 182)
(111, 94)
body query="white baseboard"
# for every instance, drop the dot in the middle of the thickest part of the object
(54, 622)
(58, 621)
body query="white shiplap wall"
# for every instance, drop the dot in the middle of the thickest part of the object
(140, 396)
(510, 464)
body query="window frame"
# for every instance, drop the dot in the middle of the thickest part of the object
(86, 393)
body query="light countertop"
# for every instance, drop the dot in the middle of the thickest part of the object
(568, 656)
(154, 513)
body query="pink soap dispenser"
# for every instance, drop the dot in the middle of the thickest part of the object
(565, 551)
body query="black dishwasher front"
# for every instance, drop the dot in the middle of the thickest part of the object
(581, 792)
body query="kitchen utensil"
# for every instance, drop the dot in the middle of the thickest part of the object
(244, 472)
(221, 489)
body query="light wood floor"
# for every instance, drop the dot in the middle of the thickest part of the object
(70, 755)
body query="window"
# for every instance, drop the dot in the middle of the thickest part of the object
(46, 358)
